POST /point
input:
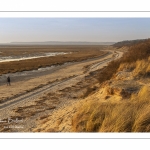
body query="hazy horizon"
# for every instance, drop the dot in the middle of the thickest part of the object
(73, 29)
(58, 43)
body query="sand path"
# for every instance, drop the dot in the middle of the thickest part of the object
(26, 93)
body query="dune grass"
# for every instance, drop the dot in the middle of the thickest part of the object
(140, 51)
(127, 115)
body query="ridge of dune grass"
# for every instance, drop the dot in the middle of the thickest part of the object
(140, 51)
(127, 115)
(140, 68)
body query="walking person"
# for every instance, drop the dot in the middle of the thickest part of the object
(8, 80)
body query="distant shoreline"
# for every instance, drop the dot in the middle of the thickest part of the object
(57, 43)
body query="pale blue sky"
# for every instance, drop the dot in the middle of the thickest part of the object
(73, 29)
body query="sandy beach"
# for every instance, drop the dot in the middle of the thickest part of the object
(63, 85)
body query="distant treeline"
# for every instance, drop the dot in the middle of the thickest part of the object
(128, 43)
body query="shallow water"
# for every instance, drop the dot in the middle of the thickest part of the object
(18, 58)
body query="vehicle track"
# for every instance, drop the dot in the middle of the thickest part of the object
(38, 92)
(96, 66)
(32, 94)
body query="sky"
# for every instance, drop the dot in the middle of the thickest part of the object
(73, 29)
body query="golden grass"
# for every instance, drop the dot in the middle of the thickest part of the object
(132, 115)
(127, 66)
(135, 53)
(144, 94)
(140, 68)
(125, 116)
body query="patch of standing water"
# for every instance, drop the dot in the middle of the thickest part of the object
(18, 58)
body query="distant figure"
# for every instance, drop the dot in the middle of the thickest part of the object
(8, 80)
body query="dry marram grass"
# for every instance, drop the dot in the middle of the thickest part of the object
(130, 114)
